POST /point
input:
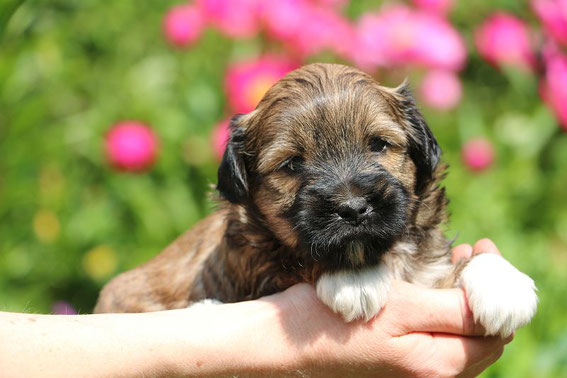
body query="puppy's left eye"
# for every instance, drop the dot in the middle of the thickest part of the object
(293, 165)
(378, 144)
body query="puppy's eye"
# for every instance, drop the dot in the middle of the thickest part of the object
(293, 165)
(378, 144)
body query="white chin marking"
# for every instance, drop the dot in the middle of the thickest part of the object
(500, 297)
(357, 294)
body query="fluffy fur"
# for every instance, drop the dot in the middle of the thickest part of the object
(354, 295)
(500, 297)
(332, 180)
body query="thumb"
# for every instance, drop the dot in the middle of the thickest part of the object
(416, 309)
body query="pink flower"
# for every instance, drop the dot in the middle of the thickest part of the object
(436, 6)
(247, 82)
(398, 35)
(182, 25)
(306, 28)
(63, 308)
(284, 18)
(504, 40)
(478, 154)
(234, 18)
(553, 14)
(441, 89)
(221, 133)
(131, 146)
(554, 83)
(322, 29)
(332, 3)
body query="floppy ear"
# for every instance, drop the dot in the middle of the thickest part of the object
(232, 177)
(423, 148)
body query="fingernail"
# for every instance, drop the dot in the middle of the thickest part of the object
(462, 252)
(485, 246)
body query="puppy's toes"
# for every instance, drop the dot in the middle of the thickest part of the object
(500, 297)
(355, 294)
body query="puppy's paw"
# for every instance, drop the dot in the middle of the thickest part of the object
(355, 294)
(203, 303)
(500, 297)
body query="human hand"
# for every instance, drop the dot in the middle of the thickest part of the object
(420, 332)
(466, 251)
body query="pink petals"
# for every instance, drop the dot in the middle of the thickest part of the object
(441, 89)
(182, 25)
(504, 40)
(247, 81)
(234, 18)
(553, 14)
(441, 7)
(554, 83)
(221, 134)
(477, 154)
(399, 35)
(131, 146)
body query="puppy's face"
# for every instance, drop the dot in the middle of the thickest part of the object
(332, 163)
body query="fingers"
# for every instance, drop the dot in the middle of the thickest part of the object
(485, 246)
(431, 310)
(466, 251)
(416, 309)
(461, 252)
(469, 355)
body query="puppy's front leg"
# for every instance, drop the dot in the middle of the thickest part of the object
(500, 297)
(355, 294)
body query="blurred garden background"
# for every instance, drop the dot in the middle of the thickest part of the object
(112, 123)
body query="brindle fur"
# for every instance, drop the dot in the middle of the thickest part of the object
(249, 247)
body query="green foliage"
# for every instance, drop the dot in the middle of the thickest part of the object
(70, 69)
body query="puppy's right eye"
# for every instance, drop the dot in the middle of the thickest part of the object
(293, 165)
(378, 144)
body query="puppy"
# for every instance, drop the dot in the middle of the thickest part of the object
(332, 180)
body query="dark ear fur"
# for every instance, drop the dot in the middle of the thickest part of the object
(232, 176)
(423, 148)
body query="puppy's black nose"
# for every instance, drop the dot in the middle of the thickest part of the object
(353, 210)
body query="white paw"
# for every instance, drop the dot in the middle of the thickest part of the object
(500, 297)
(203, 303)
(355, 294)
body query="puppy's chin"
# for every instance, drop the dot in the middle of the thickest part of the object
(338, 245)
(354, 252)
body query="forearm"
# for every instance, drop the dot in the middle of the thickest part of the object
(229, 339)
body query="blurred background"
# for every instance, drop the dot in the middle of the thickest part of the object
(113, 120)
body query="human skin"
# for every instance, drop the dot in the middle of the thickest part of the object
(420, 332)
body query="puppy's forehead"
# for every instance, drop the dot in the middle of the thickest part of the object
(324, 107)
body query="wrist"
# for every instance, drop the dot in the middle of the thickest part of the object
(242, 338)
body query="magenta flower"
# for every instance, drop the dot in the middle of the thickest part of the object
(436, 6)
(131, 146)
(505, 40)
(553, 14)
(63, 308)
(398, 35)
(234, 18)
(554, 83)
(284, 19)
(333, 3)
(182, 25)
(322, 29)
(220, 135)
(247, 82)
(441, 89)
(478, 154)
(307, 28)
